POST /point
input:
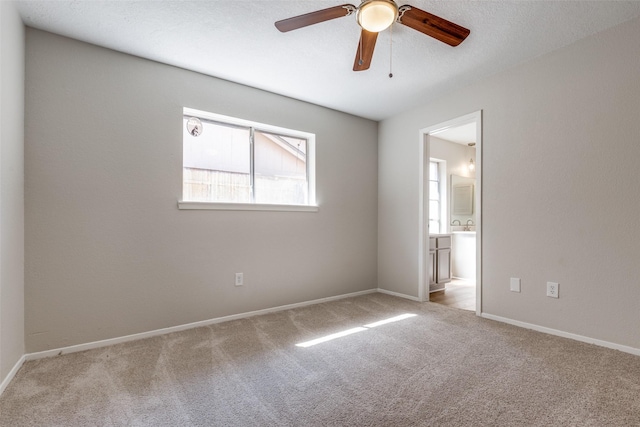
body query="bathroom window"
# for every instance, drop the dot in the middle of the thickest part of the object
(435, 198)
(233, 162)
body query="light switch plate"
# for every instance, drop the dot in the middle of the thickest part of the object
(515, 284)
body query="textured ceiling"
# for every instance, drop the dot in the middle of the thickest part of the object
(237, 41)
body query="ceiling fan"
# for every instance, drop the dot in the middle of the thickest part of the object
(375, 16)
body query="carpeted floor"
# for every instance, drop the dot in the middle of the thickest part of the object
(442, 367)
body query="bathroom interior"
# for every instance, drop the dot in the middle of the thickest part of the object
(452, 217)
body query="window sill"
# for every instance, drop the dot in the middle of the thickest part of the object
(245, 207)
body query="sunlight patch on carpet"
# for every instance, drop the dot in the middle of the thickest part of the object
(355, 330)
(390, 320)
(331, 337)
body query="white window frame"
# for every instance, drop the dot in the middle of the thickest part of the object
(311, 167)
(442, 191)
(434, 163)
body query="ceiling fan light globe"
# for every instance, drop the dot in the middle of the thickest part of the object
(376, 15)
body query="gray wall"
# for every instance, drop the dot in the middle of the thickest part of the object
(561, 143)
(11, 188)
(456, 155)
(107, 251)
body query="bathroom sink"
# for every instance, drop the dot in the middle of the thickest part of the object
(462, 228)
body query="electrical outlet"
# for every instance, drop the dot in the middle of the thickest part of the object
(553, 290)
(239, 279)
(515, 284)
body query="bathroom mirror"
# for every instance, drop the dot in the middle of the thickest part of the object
(462, 199)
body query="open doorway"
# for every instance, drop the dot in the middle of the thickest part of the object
(450, 262)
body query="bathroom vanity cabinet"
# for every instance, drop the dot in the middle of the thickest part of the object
(439, 261)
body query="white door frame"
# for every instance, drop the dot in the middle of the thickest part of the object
(423, 246)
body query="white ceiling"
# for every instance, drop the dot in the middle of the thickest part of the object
(237, 41)
(465, 134)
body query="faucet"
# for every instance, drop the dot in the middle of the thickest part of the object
(454, 222)
(468, 226)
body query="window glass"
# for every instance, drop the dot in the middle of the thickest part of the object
(434, 190)
(434, 197)
(433, 171)
(217, 164)
(280, 169)
(237, 162)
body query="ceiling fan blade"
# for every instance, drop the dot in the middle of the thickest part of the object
(365, 50)
(432, 25)
(314, 17)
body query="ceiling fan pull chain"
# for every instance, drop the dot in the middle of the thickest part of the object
(360, 51)
(391, 51)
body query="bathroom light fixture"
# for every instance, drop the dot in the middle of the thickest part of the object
(472, 166)
(376, 15)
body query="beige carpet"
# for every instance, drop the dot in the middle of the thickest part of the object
(443, 367)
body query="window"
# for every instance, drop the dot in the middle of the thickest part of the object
(434, 197)
(233, 162)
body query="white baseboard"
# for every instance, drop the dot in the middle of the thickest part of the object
(12, 373)
(133, 337)
(576, 337)
(149, 334)
(398, 294)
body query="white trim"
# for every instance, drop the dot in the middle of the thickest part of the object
(478, 204)
(399, 295)
(424, 157)
(245, 207)
(423, 210)
(149, 334)
(12, 373)
(575, 337)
